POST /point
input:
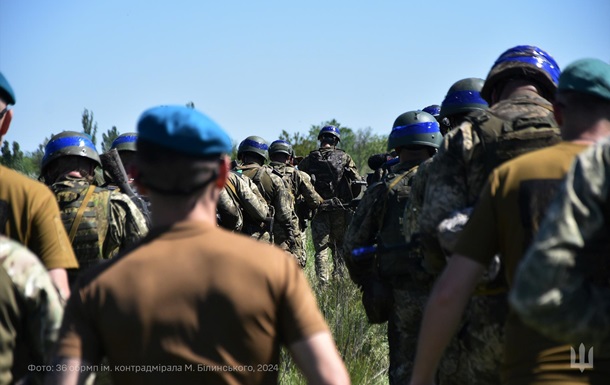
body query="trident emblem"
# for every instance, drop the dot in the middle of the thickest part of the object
(582, 363)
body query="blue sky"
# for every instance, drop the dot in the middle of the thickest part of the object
(260, 67)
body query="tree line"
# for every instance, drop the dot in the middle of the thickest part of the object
(360, 144)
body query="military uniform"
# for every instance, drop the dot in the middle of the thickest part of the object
(31, 312)
(109, 221)
(273, 189)
(303, 194)
(461, 167)
(333, 170)
(242, 208)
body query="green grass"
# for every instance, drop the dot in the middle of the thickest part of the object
(364, 347)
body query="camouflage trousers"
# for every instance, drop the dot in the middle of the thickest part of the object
(293, 244)
(328, 231)
(478, 347)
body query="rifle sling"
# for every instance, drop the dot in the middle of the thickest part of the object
(81, 212)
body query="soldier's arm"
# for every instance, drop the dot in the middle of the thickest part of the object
(252, 199)
(553, 289)
(306, 189)
(351, 169)
(127, 224)
(362, 231)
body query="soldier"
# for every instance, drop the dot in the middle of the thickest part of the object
(100, 222)
(125, 144)
(333, 172)
(463, 97)
(31, 313)
(29, 212)
(562, 285)
(299, 184)
(210, 306)
(435, 110)
(504, 221)
(378, 220)
(518, 88)
(252, 152)
(242, 208)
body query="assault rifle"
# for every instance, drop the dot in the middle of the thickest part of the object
(111, 162)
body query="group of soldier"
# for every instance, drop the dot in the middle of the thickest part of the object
(451, 224)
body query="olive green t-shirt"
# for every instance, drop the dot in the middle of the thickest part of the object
(215, 304)
(505, 218)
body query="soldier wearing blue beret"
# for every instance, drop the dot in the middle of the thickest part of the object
(213, 305)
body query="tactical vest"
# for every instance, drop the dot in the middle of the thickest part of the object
(232, 217)
(503, 140)
(328, 167)
(93, 219)
(261, 179)
(397, 191)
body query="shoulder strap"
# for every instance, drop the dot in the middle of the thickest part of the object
(80, 212)
(233, 191)
(389, 188)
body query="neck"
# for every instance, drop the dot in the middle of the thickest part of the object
(595, 132)
(412, 155)
(199, 209)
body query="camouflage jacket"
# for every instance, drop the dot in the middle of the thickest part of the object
(241, 203)
(375, 223)
(562, 286)
(109, 223)
(31, 311)
(333, 172)
(461, 166)
(299, 184)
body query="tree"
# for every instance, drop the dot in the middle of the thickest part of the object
(108, 138)
(190, 104)
(89, 125)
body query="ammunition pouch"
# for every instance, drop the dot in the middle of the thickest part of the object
(377, 299)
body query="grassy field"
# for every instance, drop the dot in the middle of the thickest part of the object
(364, 347)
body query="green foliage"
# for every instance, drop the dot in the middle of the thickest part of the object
(108, 137)
(190, 104)
(13, 157)
(89, 125)
(364, 347)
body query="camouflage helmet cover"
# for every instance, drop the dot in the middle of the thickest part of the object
(415, 128)
(70, 143)
(524, 61)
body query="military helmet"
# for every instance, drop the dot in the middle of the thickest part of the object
(524, 61)
(281, 146)
(433, 110)
(415, 128)
(70, 143)
(332, 130)
(125, 142)
(463, 96)
(254, 144)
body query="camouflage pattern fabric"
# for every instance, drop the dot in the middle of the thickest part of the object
(275, 192)
(31, 311)
(245, 204)
(300, 187)
(562, 286)
(327, 232)
(111, 222)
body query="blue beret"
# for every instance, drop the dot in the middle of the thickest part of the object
(589, 76)
(184, 130)
(6, 91)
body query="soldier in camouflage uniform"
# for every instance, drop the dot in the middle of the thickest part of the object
(252, 153)
(378, 220)
(506, 218)
(299, 184)
(31, 313)
(562, 285)
(100, 222)
(242, 208)
(518, 88)
(125, 144)
(333, 172)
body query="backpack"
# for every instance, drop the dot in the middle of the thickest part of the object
(231, 215)
(328, 168)
(503, 140)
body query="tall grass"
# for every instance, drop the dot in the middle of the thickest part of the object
(364, 347)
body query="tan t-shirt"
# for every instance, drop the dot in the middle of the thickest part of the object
(506, 216)
(215, 304)
(33, 219)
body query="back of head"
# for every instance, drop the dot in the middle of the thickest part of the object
(527, 63)
(73, 147)
(280, 147)
(179, 150)
(7, 97)
(415, 129)
(329, 134)
(463, 97)
(253, 146)
(125, 142)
